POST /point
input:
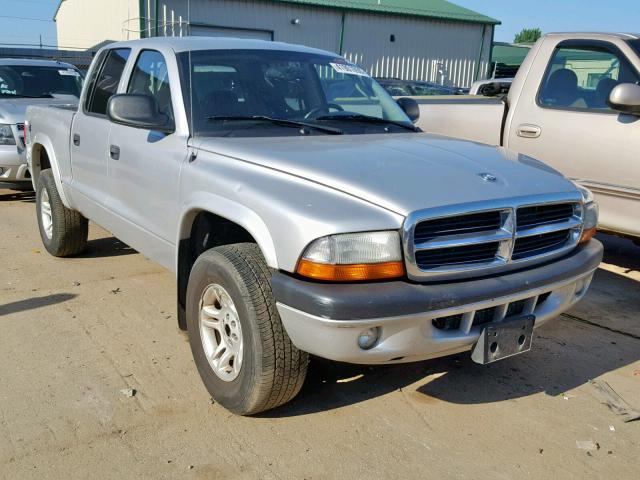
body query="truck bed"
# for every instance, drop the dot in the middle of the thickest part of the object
(469, 117)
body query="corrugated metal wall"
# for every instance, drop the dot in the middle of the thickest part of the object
(424, 49)
(318, 27)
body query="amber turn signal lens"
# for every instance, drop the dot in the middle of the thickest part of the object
(350, 273)
(588, 235)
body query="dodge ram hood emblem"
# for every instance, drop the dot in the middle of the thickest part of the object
(487, 177)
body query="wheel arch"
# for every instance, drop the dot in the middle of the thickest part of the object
(215, 222)
(42, 156)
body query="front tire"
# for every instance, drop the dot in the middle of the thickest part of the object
(63, 231)
(243, 353)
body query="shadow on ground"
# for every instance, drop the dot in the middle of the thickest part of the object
(17, 196)
(566, 353)
(106, 247)
(621, 252)
(34, 303)
(564, 356)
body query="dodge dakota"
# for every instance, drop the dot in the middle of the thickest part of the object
(25, 82)
(304, 213)
(575, 105)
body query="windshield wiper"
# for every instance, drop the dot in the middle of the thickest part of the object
(275, 121)
(368, 119)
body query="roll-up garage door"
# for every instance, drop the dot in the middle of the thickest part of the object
(214, 31)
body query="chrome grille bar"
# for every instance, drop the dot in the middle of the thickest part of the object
(462, 241)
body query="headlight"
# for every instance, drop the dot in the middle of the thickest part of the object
(6, 135)
(589, 214)
(353, 257)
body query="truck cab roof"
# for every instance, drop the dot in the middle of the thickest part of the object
(573, 35)
(34, 62)
(184, 44)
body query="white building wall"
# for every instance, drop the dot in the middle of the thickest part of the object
(85, 23)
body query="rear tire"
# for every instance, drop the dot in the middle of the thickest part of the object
(230, 306)
(63, 231)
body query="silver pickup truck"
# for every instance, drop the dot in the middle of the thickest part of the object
(25, 82)
(575, 105)
(303, 212)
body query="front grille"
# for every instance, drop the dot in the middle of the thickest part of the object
(484, 252)
(457, 225)
(539, 244)
(483, 316)
(489, 239)
(543, 214)
(450, 322)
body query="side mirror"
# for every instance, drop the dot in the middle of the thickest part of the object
(138, 111)
(625, 98)
(410, 107)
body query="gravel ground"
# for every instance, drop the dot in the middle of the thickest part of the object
(76, 332)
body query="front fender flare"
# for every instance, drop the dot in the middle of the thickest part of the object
(235, 212)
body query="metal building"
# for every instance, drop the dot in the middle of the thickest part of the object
(432, 40)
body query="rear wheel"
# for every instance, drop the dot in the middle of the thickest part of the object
(63, 231)
(243, 354)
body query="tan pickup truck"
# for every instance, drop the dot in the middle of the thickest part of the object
(575, 105)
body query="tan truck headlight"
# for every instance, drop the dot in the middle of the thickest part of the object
(353, 257)
(589, 214)
(6, 135)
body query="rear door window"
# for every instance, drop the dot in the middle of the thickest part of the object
(105, 84)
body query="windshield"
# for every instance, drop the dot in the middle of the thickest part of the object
(228, 88)
(30, 81)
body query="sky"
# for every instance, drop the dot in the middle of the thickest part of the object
(558, 15)
(19, 30)
(35, 17)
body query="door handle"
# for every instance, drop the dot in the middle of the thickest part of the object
(527, 130)
(76, 139)
(114, 152)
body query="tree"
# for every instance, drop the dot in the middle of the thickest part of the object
(528, 35)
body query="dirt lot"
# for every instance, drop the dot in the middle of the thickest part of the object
(75, 332)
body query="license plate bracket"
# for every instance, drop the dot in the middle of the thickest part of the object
(504, 339)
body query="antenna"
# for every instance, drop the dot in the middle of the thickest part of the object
(190, 69)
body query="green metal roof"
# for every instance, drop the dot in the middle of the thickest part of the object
(509, 54)
(440, 9)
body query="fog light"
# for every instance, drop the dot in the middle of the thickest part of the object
(368, 338)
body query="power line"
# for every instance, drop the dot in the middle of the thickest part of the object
(26, 18)
(37, 45)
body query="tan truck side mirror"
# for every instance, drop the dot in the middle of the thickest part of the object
(625, 98)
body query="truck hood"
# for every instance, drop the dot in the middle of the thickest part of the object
(13, 110)
(400, 172)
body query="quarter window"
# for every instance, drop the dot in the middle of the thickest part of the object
(151, 77)
(106, 82)
(583, 76)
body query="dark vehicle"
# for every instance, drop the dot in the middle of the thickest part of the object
(415, 88)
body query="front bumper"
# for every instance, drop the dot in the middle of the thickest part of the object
(13, 165)
(326, 319)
